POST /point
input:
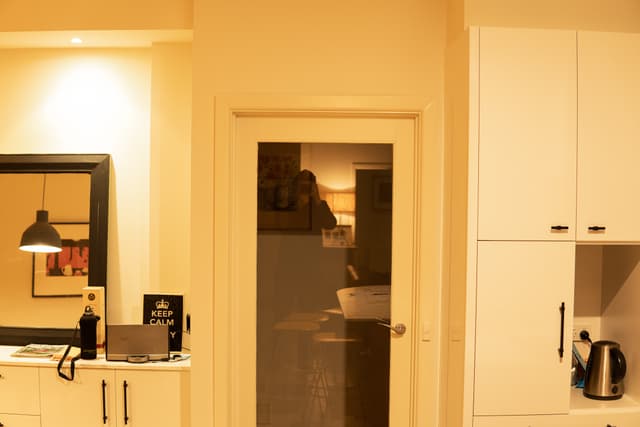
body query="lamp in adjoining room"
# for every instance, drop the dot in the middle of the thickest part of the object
(342, 203)
(41, 236)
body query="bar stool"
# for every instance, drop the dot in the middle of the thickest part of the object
(327, 381)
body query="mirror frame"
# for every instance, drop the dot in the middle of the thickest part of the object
(98, 165)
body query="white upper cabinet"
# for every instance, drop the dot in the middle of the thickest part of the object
(527, 134)
(608, 137)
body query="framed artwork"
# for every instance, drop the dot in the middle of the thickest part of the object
(382, 192)
(339, 237)
(65, 273)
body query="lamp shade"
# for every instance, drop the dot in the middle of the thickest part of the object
(342, 202)
(41, 236)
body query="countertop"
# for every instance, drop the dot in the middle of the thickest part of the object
(99, 363)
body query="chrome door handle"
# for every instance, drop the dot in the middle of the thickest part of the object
(399, 328)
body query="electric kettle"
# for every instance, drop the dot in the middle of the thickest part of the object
(605, 371)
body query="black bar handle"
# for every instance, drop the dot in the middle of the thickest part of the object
(126, 415)
(559, 227)
(597, 228)
(561, 348)
(104, 402)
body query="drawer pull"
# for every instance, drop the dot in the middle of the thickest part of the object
(559, 227)
(597, 228)
(561, 348)
(104, 402)
(126, 414)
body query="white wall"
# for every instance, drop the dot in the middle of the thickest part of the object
(90, 101)
(170, 171)
(620, 314)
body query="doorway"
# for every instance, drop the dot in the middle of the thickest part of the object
(265, 362)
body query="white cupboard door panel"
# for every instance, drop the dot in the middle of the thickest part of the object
(520, 290)
(19, 390)
(12, 420)
(152, 398)
(608, 136)
(527, 135)
(78, 403)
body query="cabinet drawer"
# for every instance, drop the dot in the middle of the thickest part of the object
(11, 420)
(19, 391)
(523, 421)
(629, 419)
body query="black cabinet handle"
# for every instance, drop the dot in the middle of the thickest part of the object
(561, 348)
(559, 227)
(126, 415)
(597, 228)
(104, 402)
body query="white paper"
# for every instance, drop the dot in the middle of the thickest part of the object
(365, 302)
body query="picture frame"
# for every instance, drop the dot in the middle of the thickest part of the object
(382, 193)
(339, 237)
(65, 273)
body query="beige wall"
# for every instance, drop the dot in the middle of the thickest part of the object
(42, 15)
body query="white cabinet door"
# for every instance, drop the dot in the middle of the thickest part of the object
(527, 135)
(87, 401)
(152, 398)
(19, 390)
(608, 136)
(521, 287)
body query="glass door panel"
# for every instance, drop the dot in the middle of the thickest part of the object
(324, 243)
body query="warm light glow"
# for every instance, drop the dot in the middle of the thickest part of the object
(341, 202)
(84, 105)
(76, 40)
(40, 249)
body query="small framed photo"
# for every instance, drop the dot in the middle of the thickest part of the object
(65, 273)
(339, 237)
(382, 192)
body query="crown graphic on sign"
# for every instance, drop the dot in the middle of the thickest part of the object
(162, 304)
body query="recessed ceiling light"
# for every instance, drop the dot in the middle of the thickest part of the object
(76, 40)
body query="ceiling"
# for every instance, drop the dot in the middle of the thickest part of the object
(92, 39)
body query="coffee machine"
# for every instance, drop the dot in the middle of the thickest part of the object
(605, 371)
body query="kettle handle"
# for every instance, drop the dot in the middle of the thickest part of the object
(619, 368)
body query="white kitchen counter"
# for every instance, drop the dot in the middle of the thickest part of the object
(99, 363)
(584, 405)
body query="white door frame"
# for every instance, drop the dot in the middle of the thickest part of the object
(214, 389)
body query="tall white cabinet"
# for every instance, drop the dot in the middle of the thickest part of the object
(553, 142)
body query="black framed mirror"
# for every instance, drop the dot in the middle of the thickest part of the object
(98, 167)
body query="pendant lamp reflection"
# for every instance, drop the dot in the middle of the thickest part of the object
(41, 236)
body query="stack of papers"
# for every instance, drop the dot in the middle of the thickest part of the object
(39, 350)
